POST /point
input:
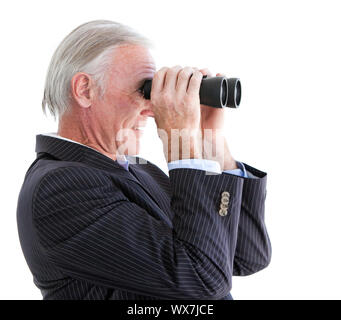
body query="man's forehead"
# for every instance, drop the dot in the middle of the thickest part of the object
(132, 59)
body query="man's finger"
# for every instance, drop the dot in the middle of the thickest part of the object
(206, 72)
(158, 80)
(183, 79)
(194, 83)
(171, 78)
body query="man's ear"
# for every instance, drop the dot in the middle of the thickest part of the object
(82, 89)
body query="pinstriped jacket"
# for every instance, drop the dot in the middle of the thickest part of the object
(90, 229)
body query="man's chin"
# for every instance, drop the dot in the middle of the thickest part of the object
(129, 149)
(129, 144)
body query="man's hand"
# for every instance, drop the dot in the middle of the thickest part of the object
(216, 144)
(176, 106)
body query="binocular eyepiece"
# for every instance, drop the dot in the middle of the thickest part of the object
(217, 92)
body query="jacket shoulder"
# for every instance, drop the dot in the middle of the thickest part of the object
(43, 173)
(50, 177)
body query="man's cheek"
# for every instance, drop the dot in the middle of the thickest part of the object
(130, 104)
(127, 103)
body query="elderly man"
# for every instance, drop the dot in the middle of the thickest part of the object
(97, 222)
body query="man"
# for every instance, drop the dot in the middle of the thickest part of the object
(95, 222)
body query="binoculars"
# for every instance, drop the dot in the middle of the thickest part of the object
(217, 92)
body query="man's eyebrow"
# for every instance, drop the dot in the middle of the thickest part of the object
(144, 70)
(141, 81)
(142, 75)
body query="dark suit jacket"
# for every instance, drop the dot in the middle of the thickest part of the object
(89, 229)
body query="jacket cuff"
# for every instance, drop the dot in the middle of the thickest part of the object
(254, 189)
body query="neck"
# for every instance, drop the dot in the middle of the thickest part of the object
(79, 128)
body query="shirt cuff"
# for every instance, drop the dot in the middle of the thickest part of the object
(198, 164)
(241, 171)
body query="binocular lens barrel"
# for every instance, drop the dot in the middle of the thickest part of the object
(217, 92)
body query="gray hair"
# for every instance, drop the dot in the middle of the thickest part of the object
(86, 49)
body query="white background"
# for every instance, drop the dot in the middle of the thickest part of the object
(287, 54)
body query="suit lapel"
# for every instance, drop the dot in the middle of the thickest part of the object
(151, 187)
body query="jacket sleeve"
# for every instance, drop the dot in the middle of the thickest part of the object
(253, 249)
(91, 231)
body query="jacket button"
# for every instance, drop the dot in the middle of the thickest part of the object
(224, 203)
(223, 212)
(223, 206)
(225, 194)
(225, 200)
